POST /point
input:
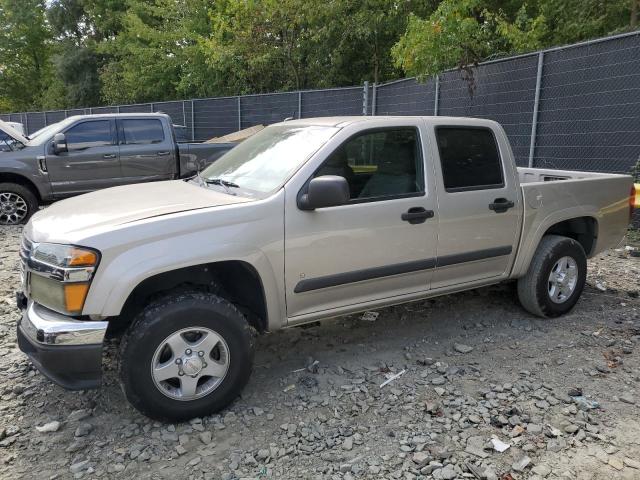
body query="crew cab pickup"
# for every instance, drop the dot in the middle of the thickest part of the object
(306, 220)
(89, 152)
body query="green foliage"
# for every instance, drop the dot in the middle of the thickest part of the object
(24, 52)
(78, 53)
(461, 33)
(158, 55)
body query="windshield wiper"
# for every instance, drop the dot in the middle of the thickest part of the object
(223, 183)
(219, 181)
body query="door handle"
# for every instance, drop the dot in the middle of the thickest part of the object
(501, 205)
(417, 215)
(109, 155)
(162, 154)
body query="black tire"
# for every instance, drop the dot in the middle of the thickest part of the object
(26, 195)
(533, 288)
(157, 322)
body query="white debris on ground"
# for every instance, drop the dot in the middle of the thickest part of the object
(488, 392)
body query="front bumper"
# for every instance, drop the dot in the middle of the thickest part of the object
(67, 351)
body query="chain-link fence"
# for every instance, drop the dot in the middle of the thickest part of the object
(573, 107)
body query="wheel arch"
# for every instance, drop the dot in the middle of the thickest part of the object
(10, 177)
(236, 280)
(572, 224)
(584, 230)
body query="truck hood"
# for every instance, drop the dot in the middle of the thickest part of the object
(72, 219)
(13, 133)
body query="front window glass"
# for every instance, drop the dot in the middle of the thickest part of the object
(89, 134)
(379, 164)
(264, 161)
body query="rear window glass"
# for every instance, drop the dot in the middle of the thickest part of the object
(142, 131)
(469, 158)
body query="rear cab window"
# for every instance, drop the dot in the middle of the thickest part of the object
(470, 158)
(141, 131)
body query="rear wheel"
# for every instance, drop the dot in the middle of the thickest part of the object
(17, 204)
(187, 355)
(556, 277)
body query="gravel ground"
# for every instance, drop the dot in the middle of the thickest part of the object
(476, 370)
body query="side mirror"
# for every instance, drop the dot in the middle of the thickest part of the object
(325, 191)
(60, 143)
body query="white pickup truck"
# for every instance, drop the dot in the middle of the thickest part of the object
(308, 219)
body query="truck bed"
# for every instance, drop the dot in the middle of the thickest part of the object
(534, 175)
(552, 196)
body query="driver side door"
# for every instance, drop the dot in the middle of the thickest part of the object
(347, 257)
(92, 161)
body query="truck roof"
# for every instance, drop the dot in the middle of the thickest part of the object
(343, 121)
(111, 115)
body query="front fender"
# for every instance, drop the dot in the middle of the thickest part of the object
(252, 233)
(25, 168)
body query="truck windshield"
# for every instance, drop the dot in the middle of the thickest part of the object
(45, 130)
(265, 161)
(9, 144)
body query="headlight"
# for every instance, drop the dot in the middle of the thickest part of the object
(61, 276)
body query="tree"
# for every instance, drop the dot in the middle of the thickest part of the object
(156, 55)
(79, 27)
(294, 44)
(463, 32)
(25, 69)
(357, 37)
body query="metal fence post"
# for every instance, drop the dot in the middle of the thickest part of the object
(239, 114)
(151, 106)
(299, 104)
(184, 115)
(193, 123)
(26, 122)
(437, 95)
(374, 100)
(536, 103)
(45, 119)
(365, 97)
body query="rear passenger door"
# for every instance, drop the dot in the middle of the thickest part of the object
(147, 151)
(478, 204)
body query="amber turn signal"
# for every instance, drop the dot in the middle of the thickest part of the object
(80, 257)
(74, 295)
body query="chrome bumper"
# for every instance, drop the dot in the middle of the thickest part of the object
(47, 327)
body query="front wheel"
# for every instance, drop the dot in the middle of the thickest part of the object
(186, 355)
(555, 279)
(17, 204)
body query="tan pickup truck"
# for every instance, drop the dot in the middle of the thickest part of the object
(307, 220)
